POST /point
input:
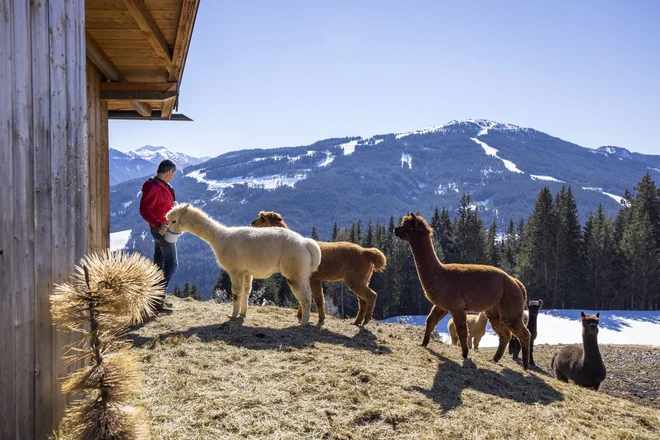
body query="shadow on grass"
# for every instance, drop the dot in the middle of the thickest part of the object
(234, 333)
(452, 378)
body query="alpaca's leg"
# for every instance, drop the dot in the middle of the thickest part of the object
(503, 332)
(515, 350)
(560, 376)
(366, 300)
(236, 290)
(460, 320)
(303, 292)
(362, 309)
(431, 323)
(531, 353)
(524, 337)
(317, 294)
(245, 293)
(476, 342)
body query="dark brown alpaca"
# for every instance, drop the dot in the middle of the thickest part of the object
(461, 288)
(531, 320)
(340, 261)
(583, 365)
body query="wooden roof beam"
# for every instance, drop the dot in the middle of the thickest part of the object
(168, 108)
(183, 36)
(142, 108)
(101, 60)
(146, 22)
(127, 86)
(144, 96)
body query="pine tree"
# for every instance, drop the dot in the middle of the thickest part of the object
(358, 232)
(568, 251)
(492, 247)
(468, 233)
(194, 294)
(537, 255)
(641, 257)
(353, 236)
(599, 261)
(315, 234)
(368, 240)
(509, 251)
(335, 231)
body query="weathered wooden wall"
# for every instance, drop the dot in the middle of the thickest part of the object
(99, 165)
(43, 200)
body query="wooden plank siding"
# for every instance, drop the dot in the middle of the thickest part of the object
(43, 156)
(99, 177)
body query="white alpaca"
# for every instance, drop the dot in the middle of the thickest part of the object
(247, 252)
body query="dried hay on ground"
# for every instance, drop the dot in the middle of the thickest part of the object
(267, 378)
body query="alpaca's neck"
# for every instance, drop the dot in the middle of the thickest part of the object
(428, 265)
(482, 320)
(591, 351)
(206, 228)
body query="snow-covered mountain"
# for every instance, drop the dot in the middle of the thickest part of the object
(155, 154)
(502, 166)
(144, 161)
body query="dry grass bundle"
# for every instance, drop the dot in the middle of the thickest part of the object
(108, 292)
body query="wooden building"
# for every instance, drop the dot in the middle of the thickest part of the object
(66, 66)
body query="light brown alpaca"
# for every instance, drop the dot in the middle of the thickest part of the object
(340, 261)
(461, 288)
(476, 325)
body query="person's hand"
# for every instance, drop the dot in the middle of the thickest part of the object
(163, 229)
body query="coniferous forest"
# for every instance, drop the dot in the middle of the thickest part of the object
(605, 264)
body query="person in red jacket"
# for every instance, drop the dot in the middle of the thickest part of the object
(157, 199)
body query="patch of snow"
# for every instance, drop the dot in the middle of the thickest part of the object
(406, 158)
(490, 151)
(127, 204)
(143, 235)
(444, 189)
(119, 239)
(548, 178)
(327, 161)
(483, 124)
(562, 326)
(265, 182)
(349, 147)
(244, 202)
(378, 141)
(618, 199)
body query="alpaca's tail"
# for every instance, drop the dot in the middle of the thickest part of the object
(315, 250)
(552, 361)
(377, 258)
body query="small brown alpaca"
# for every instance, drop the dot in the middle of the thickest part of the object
(583, 365)
(476, 330)
(461, 288)
(340, 261)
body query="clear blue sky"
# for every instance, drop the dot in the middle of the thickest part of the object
(264, 74)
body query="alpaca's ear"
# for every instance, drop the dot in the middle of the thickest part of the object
(582, 315)
(598, 315)
(185, 207)
(412, 216)
(262, 214)
(278, 218)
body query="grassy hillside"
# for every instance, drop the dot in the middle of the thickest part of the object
(266, 377)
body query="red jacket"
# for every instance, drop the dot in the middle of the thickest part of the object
(157, 199)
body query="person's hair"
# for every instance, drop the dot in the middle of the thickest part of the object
(165, 166)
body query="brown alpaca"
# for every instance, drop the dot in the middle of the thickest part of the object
(583, 365)
(340, 261)
(476, 330)
(460, 288)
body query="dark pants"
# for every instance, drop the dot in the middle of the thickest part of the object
(164, 255)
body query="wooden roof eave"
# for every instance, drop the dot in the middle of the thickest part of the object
(147, 98)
